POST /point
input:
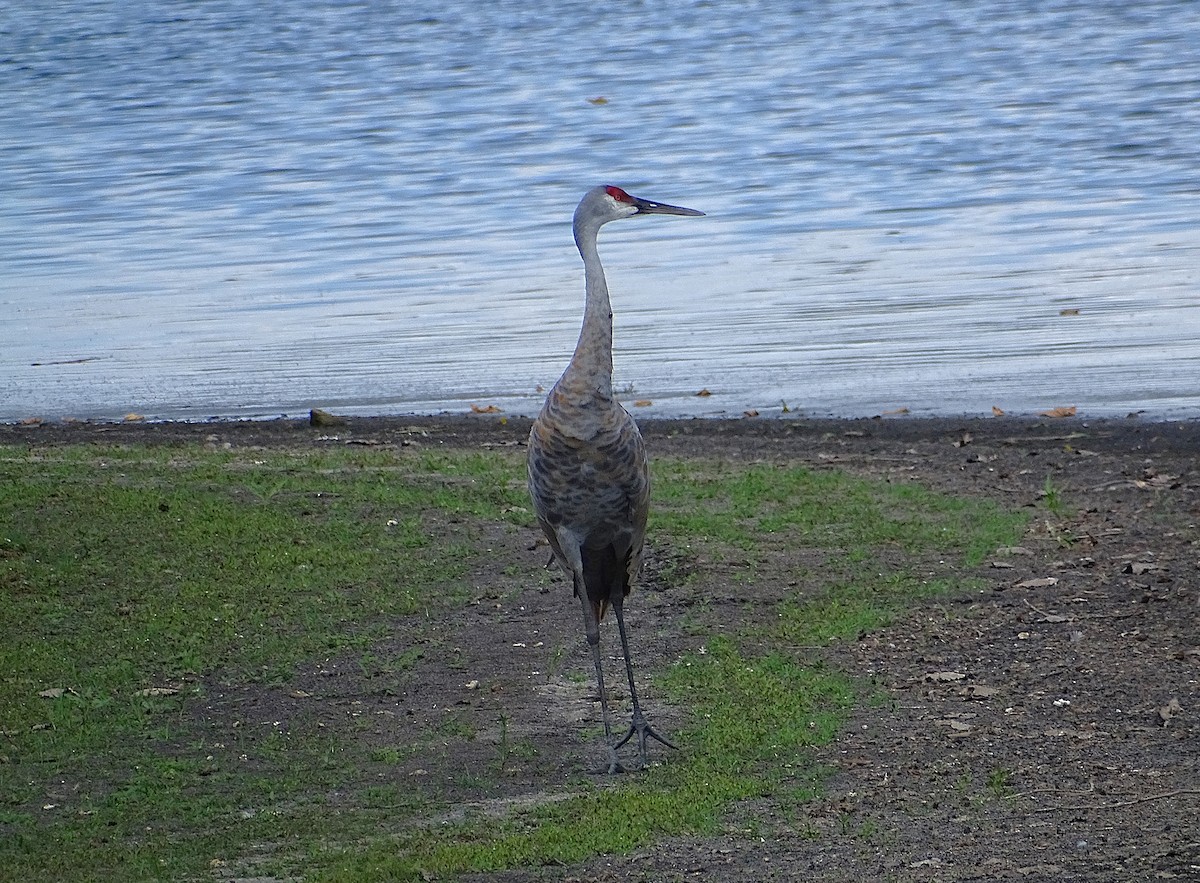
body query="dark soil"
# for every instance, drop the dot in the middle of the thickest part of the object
(1044, 728)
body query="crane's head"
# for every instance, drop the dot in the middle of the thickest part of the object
(608, 203)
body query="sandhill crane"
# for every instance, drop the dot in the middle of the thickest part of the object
(588, 475)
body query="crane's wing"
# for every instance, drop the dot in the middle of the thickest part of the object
(591, 493)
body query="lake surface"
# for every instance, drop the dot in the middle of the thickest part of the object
(239, 208)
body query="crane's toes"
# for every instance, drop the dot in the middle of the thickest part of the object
(644, 732)
(614, 762)
(653, 734)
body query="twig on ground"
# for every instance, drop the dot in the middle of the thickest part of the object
(1178, 792)
(1035, 608)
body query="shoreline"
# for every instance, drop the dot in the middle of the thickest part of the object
(1112, 434)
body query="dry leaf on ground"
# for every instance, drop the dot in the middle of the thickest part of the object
(941, 677)
(56, 692)
(1137, 568)
(1039, 583)
(1168, 711)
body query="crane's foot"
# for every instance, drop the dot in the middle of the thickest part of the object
(641, 727)
(614, 762)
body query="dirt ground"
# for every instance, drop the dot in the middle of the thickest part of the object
(1044, 728)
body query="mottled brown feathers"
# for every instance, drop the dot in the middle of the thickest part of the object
(592, 490)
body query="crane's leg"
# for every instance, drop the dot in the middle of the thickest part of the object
(639, 723)
(591, 627)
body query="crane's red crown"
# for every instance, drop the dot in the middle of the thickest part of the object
(618, 194)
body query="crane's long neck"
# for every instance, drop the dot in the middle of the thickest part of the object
(590, 370)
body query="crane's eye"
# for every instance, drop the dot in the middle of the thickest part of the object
(618, 194)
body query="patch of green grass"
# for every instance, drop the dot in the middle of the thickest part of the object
(744, 506)
(752, 723)
(121, 575)
(843, 610)
(1052, 497)
(128, 569)
(752, 718)
(999, 783)
(123, 569)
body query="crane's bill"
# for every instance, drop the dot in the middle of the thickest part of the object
(646, 207)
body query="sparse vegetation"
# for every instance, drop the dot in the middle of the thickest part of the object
(140, 581)
(1052, 497)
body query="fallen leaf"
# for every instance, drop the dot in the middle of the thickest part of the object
(488, 409)
(997, 412)
(978, 691)
(895, 411)
(56, 692)
(1168, 711)
(134, 418)
(704, 393)
(643, 403)
(157, 691)
(750, 413)
(30, 421)
(1137, 568)
(941, 677)
(1001, 564)
(1161, 480)
(598, 100)
(1063, 411)
(1039, 583)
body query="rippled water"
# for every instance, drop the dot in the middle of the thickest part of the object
(247, 208)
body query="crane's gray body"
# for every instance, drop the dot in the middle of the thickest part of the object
(588, 474)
